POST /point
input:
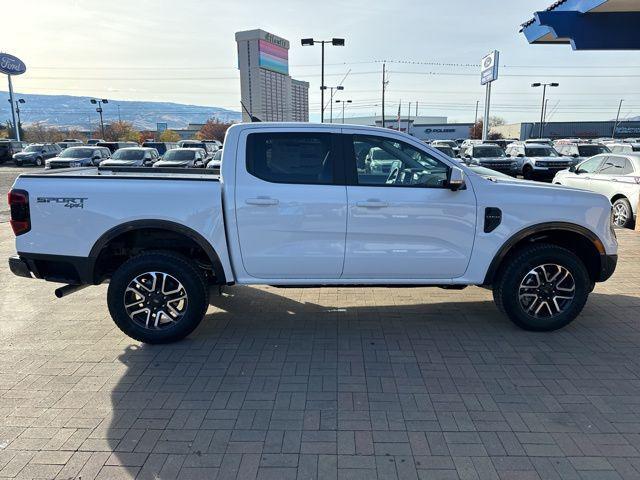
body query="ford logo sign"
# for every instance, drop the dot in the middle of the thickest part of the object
(11, 65)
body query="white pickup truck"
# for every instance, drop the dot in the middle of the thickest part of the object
(299, 205)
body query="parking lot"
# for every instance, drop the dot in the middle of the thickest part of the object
(320, 383)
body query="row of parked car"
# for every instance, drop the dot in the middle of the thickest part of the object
(605, 166)
(531, 159)
(183, 154)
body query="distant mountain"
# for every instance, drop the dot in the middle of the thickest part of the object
(77, 112)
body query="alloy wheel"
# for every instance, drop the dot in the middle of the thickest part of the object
(546, 291)
(620, 215)
(155, 300)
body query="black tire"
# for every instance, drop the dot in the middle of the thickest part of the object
(619, 206)
(175, 265)
(506, 288)
(18, 163)
(527, 172)
(39, 162)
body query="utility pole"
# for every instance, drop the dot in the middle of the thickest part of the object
(384, 86)
(408, 117)
(476, 117)
(416, 109)
(119, 117)
(615, 125)
(399, 114)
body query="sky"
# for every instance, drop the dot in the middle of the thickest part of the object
(184, 51)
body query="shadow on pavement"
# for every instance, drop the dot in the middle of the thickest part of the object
(278, 382)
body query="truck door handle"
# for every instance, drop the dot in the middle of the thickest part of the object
(372, 204)
(264, 201)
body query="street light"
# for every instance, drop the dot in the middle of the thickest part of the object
(336, 42)
(343, 102)
(99, 110)
(544, 96)
(18, 102)
(339, 87)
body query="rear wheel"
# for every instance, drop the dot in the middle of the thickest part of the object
(158, 297)
(622, 214)
(39, 162)
(543, 287)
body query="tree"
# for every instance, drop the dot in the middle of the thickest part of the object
(146, 135)
(121, 131)
(40, 132)
(495, 121)
(475, 132)
(214, 129)
(169, 136)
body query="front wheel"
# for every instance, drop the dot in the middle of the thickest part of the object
(543, 287)
(527, 172)
(622, 214)
(158, 297)
(39, 162)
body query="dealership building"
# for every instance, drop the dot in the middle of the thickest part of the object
(523, 131)
(267, 90)
(422, 127)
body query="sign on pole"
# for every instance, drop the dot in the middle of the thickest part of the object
(10, 65)
(489, 71)
(488, 74)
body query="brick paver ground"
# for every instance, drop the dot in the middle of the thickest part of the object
(307, 383)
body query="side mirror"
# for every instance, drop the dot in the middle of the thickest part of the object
(575, 155)
(95, 157)
(455, 181)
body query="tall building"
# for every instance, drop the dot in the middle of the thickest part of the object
(266, 88)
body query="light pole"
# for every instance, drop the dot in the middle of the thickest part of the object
(544, 97)
(339, 87)
(99, 102)
(336, 42)
(615, 125)
(18, 102)
(343, 102)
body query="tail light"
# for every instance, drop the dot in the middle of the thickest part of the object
(19, 205)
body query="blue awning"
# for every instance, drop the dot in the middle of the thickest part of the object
(587, 25)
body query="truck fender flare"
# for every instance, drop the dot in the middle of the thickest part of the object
(531, 231)
(202, 242)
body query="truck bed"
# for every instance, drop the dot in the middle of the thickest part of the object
(131, 172)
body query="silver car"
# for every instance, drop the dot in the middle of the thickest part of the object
(617, 176)
(538, 160)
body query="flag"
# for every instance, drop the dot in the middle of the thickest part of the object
(399, 105)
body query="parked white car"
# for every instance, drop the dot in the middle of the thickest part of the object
(293, 207)
(538, 160)
(615, 176)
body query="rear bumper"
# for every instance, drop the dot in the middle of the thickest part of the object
(19, 267)
(53, 268)
(607, 267)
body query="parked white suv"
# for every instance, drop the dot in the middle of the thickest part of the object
(615, 176)
(297, 204)
(538, 160)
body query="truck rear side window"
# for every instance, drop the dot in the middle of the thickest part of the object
(291, 157)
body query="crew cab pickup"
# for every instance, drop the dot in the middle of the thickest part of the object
(299, 205)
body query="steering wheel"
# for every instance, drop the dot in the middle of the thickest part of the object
(394, 174)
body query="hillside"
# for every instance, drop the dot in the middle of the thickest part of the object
(77, 112)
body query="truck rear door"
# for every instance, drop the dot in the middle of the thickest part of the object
(291, 204)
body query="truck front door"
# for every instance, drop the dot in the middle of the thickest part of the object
(291, 205)
(404, 223)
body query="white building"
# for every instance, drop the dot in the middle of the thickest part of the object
(266, 88)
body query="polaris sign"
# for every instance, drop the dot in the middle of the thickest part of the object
(489, 68)
(11, 65)
(445, 131)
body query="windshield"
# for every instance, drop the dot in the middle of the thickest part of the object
(540, 152)
(178, 154)
(488, 152)
(446, 150)
(217, 155)
(591, 150)
(77, 153)
(193, 145)
(33, 148)
(128, 155)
